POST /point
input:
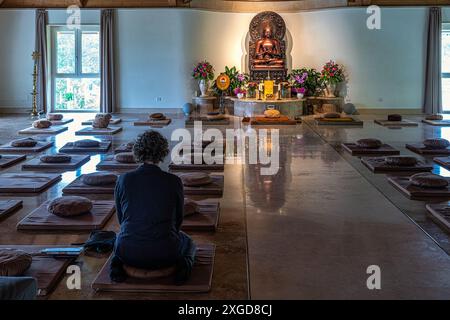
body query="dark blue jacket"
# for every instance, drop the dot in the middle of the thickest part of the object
(149, 205)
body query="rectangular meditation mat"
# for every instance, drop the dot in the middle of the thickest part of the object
(200, 280)
(443, 161)
(42, 220)
(354, 150)
(419, 148)
(70, 148)
(378, 165)
(196, 167)
(51, 130)
(415, 193)
(76, 162)
(403, 123)
(90, 131)
(339, 122)
(215, 188)
(40, 146)
(206, 122)
(9, 206)
(78, 187)
(153, 123)
(441, 213)
(206, 219)
(9, 160)
(439, 123)
(27, 182)
(263, 121)
(61, 122)
(109, 163)
(47, 270)
(112, 121)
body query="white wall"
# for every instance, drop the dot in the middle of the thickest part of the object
(157, 48)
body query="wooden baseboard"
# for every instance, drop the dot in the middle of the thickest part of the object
(13, 110)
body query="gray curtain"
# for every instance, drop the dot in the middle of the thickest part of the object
(41, 48)
(433, 89)
(107, 74)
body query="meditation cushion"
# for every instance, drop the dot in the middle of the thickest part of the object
(190, 207)
(125, 157)
(69, 206)
(55, 158)
(369, 143)
(195, 179)
(157, 116)
(437, 143)
(435, 117)
(332, 115)
(86, 143)
(99, 178)
(272, 113)
(400, 161)
(215, 116)
(24, 143)
(55, 116)
(146, 274)
(394, 117)
(428, 180)
(42, 124)
(101, 120)
(14, 262)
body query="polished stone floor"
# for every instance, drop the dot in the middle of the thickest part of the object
(308, 232)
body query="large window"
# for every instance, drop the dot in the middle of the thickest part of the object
(75, 69)
(446, 67)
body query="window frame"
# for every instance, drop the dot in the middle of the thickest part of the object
(54, 29)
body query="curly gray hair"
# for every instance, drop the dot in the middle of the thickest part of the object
(150, 146)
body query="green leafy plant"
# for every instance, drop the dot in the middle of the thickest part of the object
(311, 80)
(332, 73)
(237, 80)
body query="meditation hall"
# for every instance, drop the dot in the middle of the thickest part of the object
(198, 151)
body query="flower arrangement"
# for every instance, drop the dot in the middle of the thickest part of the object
(311, 82)
(239, 90)
(203, 71)
(332, 73)
(300, 90)
(237, 80)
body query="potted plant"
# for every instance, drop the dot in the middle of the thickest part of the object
(239, 92)
(237, 79)
(312, 82)
(203, 72)
(300, 92)
(251, 90)
(332, 74)
(298, 83)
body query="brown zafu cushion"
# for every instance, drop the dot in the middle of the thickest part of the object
(437, 143)
(42, 124)
(157, 116)
(369, 143)
(55, 116)
(86, 143)
(14, 262)
(272, 113)
(70, 206)
(24, 143)
(145, 274)
(400, 161)
(195, 179)
(99, 178)
(434, 117)
(125, 157)
(190, 207)
(332, 115)
(55, 158)
(394, 117)
(428, 180)
(101, 120)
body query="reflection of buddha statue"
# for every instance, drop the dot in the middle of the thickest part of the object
(268, 51)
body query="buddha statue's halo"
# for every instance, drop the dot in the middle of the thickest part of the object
(264, 20)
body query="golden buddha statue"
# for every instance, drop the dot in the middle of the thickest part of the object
(268, 51)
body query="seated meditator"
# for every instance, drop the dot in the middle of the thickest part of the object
(149, 204)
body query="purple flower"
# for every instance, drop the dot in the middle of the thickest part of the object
(241, 77)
